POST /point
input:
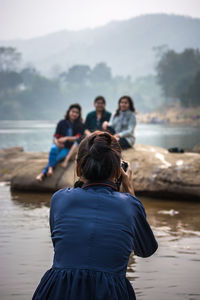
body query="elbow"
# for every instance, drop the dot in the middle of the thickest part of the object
(148, 250)
(126, 133)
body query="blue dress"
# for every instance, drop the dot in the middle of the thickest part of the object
(94, 229)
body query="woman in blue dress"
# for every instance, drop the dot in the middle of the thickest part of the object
(67, 132)
(94, 229)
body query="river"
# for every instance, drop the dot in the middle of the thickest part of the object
(37, 135)
(25, 246)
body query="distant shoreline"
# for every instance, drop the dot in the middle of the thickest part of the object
(172, 115)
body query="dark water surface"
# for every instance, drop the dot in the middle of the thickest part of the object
(26, 251)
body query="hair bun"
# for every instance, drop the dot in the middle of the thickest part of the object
(99, 145)
(99, 156)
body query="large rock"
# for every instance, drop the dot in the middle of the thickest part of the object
(155, 172)
(158, 172)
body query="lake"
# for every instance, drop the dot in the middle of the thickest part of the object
(25, 246)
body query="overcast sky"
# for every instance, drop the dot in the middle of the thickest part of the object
(31, 18)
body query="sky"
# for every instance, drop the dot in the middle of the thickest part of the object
(27, 19)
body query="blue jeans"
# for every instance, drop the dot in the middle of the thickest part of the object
(55, 155)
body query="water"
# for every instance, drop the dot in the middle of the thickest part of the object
(37, 135)
(171, 273)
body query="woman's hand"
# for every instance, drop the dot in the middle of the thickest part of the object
(87, 132)
(63, 139)
(105, 125)
(117, 135)
(127, 182)
(59, 144)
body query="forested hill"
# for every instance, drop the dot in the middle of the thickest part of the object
(126, 46)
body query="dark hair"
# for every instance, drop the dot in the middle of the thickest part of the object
(99, 156)
(77, 106)
(100, 98)
(131, 104)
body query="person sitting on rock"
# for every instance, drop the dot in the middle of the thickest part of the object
(123, 122)
(67, 132)
(95, 119)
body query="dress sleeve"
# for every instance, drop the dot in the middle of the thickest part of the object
(87, 122)
(58, 132)
(108, 116)
(111, 120)
(52, 212)
(144, 242)
(79, 130)
(131, 127)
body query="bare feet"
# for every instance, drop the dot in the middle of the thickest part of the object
(40, 177)
(64, 164)
(50, 171)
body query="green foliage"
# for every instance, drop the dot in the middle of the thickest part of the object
(9, 59)
(26, 94)
(9, 81)
(77, 74)
(192, 95)
(177, 75)
(100, 73)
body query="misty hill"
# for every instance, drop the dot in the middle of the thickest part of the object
(126, 46)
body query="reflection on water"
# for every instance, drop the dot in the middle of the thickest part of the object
(173, 272)
(26, 250)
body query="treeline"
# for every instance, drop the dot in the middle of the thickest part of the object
(26, 94)
(179, 76)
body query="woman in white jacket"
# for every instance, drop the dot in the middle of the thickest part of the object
(122, 123)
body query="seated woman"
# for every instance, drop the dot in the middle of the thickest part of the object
(67, 132)
(94, 228)
(94, 121)
(123, 122)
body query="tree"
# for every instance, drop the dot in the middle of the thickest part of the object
(28, 76)
(9, 59)
(100, 73)
(77, 74)
(9, 81)
(176, 71)
(192, 96)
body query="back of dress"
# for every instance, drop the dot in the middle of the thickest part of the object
(96, 228)
(92, 229)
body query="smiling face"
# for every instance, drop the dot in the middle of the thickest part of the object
(99, 105)
(124, 104)
(74, 114)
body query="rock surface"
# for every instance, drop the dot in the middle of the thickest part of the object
(155, 172)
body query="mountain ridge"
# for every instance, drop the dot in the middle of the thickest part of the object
(126, 46)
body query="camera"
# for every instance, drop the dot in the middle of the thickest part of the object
(124, 166)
